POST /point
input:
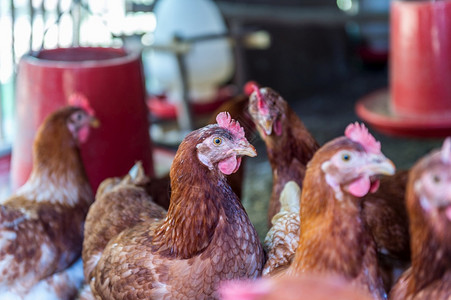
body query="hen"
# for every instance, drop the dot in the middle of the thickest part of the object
(205, 237)
(120, 204)
(41, 225)
(428, 200)
(334, 239)
(289, 144)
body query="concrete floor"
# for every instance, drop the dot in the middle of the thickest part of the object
(326, 112)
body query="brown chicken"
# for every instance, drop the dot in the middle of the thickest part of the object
(334, 239)
(206, 236)
(428, 200)
(289, 144)
(120, 204)
(41, 225)
(384, 210)
(292, 288)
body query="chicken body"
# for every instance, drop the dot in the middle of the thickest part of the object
(334, 239)
(41, 226)
(289, 144)
(120, 204)
(206, 236)
(428, 200)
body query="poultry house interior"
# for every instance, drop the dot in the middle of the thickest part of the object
(325, 58)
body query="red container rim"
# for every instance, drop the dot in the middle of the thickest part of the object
(80, 57)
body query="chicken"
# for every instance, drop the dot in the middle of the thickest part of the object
(41, 225)
(291, 288)
(289, 144)
(428, 200)
(283, 238)
(120, 204)
(205, 237)
(334, 239)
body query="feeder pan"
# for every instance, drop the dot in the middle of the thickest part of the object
(377, 111)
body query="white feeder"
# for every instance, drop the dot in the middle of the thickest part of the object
(209, 63)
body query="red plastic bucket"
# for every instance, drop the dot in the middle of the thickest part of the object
(420, 44)
(112, 80)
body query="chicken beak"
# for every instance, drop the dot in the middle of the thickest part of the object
(266, 124)
(245, 148)
(380, 165)
(94, 122)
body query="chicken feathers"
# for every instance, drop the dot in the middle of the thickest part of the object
(289, 144)
(206, 236)
(334, 239)
(282, 239)
(428, 200)
(41, 225)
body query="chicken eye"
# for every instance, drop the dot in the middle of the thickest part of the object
(78, 117)
(346, 157)
(436, 179)
(217, 141)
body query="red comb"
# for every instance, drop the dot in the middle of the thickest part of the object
(359, 133)
(225, 121)
(79, 100)
(251, 87)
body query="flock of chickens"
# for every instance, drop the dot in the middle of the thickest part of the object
(344, 224)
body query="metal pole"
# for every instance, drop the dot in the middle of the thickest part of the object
(76, 20)
(184, 117)
(32, 15)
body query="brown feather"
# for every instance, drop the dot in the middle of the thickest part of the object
(205, 237)
(429, 277)
(41, 225)
(334, 240)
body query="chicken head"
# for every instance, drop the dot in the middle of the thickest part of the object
(225, 147)
(79, 124)
(356, 167)
(267, 108)
(433, 188)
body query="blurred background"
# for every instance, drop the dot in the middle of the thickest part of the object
(323, 56)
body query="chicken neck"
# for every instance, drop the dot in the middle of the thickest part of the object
(57, 163)
(199, 198)
(333, 238)
(296, 142)
(55, 150)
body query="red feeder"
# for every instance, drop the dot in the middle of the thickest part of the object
(419, 100)
(112, 80)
